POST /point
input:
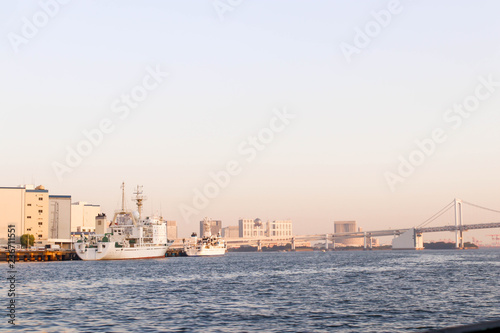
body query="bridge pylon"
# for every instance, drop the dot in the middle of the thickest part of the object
(459, 238)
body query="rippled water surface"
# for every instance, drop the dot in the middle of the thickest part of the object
(372, 291)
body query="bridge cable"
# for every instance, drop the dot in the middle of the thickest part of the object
(491, 210)
(438, 214)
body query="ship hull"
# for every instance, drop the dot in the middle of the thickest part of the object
(204, 252)
(120, 253)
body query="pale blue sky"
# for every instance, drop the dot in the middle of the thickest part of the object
(352, 121)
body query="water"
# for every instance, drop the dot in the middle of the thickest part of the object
(378, 291)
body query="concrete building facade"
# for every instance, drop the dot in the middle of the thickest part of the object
(50, 218)
(348, 226)
(280, 228)
(11, 211)
(59, 216)
(231, 232)
(252, 228)
(36, 213)
(215, 227)
(345, 226)
(27, 208)
(172, 230)
(83, 216)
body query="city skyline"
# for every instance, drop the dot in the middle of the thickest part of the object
(266, 117)
(244, 227)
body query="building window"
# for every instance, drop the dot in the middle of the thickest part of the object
(29, 229)
(40, 211)
(28, 217)
(29, 205)
(40, 198)
(40, 236)
(40, 223)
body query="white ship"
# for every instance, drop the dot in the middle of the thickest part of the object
(208, 245)
(128, 237)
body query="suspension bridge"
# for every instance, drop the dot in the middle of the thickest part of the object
(414, 235)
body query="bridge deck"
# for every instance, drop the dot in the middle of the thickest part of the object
(375, 233)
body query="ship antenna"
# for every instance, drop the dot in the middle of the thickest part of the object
(123, 196)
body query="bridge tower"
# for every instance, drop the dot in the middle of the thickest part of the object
(459, 239)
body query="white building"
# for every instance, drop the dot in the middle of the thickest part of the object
(231, 232)
(171, 230)
(249, 228)
(33, 211)
(280, 228)
(83, 216)
(348, 226)
(12, 205)
(27, 208)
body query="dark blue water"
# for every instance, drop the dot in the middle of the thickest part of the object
(379, 291)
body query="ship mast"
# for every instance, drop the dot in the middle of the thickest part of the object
(207, 227)
(123, 196)
(139, 198)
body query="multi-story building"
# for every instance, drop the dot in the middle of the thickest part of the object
(345, 226)
(279, 228)
(83, 216)
(36, 213)
(215, 227)
(12, 206)
(28, 209)
(249, 228)
(231, 232)
(60, 216)
(171, 230)
(47, 217)
(348, 226)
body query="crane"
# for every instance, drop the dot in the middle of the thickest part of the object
(495, 239)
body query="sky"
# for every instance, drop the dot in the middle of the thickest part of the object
(381, 112)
